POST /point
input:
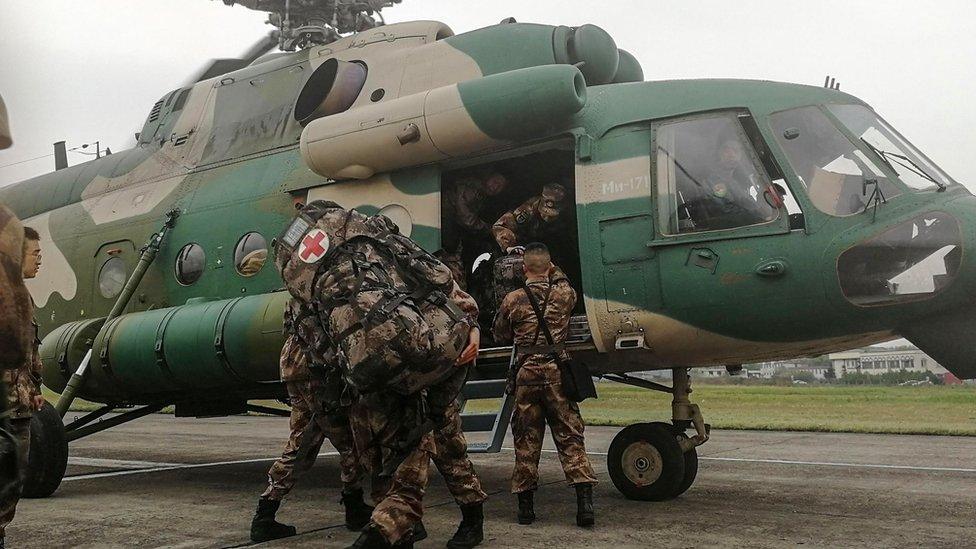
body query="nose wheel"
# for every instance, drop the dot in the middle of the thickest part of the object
(657, 461)
(647, 463)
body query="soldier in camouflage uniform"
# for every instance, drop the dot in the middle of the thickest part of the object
(312, 421)
(538, 218)
(16, 351)
(399, 325)
(536, 384)
(23, 384)
(461, 218)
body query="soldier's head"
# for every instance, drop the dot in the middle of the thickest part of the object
(5, 139)
(495, 183)
(730, 153)
(32, 253)
(551, 201)
(536, 259)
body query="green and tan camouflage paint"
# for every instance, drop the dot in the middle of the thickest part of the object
(225, 152)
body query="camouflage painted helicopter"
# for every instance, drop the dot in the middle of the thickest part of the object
(717, 222)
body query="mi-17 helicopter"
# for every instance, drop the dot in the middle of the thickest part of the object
(717, 222)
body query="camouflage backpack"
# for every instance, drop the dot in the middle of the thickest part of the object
(380, 299)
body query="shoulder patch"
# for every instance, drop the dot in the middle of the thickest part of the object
(314, 246)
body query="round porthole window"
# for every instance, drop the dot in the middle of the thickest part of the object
(250, 254)
(190, 263)
(111, 278)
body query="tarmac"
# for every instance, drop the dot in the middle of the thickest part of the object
(162, 481)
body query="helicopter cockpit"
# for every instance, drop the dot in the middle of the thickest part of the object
(839, 153)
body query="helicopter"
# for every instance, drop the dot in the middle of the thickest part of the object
(716, 222)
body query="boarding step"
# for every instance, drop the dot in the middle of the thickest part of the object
(495, 423)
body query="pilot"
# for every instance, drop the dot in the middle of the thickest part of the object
(538, 218)
(536, 384)
(463, 204)
(23, 384)
(733, 195)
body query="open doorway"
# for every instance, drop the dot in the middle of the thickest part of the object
(487, 267)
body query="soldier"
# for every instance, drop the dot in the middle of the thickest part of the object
(463, 202)
(15, 332)
(312, 421)
(536, 219)
(23, 384)
(399, 325)
(536, 382)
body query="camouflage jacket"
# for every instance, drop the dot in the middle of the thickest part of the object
(15, 306)
(516, 321)
(462, 205)
(523, 225)
(24, 383)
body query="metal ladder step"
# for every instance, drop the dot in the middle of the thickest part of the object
(497, 422)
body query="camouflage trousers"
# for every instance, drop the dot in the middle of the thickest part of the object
(20, 429)
(451, 460)
(308, 432)
(379, 422)
(536, 405)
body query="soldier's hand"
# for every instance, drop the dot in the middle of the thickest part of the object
(39, 402)
(515, 250)
(471, 351)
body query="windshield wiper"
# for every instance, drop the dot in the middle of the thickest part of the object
(911, 166)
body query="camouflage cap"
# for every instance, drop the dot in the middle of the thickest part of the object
(5, 139)
(551, 202)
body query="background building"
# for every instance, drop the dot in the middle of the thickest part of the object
(880, 360)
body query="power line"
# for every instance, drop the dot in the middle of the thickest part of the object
(28, 160)
(73, 149)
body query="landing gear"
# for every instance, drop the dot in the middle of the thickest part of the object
(48, 457)
(658, 461)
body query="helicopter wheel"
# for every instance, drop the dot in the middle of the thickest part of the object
(48, 457)
(646, 463)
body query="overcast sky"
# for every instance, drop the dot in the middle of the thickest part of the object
(86, 71)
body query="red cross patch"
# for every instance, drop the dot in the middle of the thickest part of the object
(314, 245)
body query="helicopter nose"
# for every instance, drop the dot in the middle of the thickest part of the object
(943, 322)
(914, 260)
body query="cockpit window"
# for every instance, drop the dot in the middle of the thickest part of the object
(906, 161)
(709, 177)
(839, 178)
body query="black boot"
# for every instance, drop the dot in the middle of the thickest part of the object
(371, 538)
(357, 512)
(264, 527)
(471, 531)
(419, 533)
(584, 505)
(526, 507)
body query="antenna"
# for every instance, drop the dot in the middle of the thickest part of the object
(831, 84)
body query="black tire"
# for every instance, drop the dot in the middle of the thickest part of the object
(48, 458)
(691, 459)
(646, 463)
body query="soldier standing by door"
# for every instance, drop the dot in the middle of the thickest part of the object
(536, 381)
